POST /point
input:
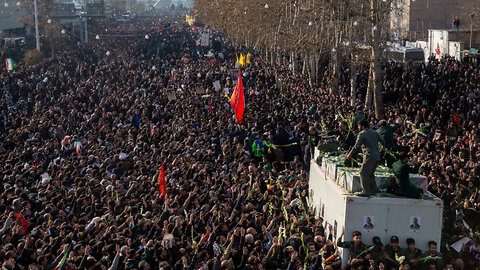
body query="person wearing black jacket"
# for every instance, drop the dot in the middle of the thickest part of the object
(356, 249)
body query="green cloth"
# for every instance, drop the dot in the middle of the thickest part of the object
(327, 147)
(258, 148)
(402, 172)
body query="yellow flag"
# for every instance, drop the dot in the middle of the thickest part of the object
(189, 20)
(242, 59)
(248, 58)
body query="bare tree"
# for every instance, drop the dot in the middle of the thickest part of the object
(307, 30)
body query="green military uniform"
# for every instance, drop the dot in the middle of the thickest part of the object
(401, 172)
(413, 255)
(386, 132)
(357, 118)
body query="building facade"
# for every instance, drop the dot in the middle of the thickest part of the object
(411, 19)
(12, 15)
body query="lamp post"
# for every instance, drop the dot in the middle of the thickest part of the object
(86, 31)
(37, 35)
(471, 28)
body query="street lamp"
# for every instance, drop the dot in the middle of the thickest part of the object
(37, 35)
(471, 28)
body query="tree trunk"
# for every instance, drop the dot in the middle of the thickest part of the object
(369, 95)
(294, 62)
(272, 57)
(376, 68)
(279, 57)
(305, 64)
(266, 55)
(313, 70)
(319, 70)
(336, 72)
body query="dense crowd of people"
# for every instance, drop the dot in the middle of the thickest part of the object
(83, 137)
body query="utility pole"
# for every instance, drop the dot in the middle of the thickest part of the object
(37, 35)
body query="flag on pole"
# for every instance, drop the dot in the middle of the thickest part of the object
(9, 63)
(24, 223)
(248, 58)
(242, 60)
(455, 118)
(237, 100)
(189, 20)
(210, 56)
(174, 72)
(162, 183)
(62, 262)
(78, 146)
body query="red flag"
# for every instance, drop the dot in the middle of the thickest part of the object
(161, 183)
(455, 117)
(24, 223)
(195, 28)
(237, 100)
(211, 108)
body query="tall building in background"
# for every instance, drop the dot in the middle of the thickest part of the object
(411, 19)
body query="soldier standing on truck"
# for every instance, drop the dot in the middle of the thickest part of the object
(367, 140)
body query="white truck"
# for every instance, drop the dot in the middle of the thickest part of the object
(420, 219)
